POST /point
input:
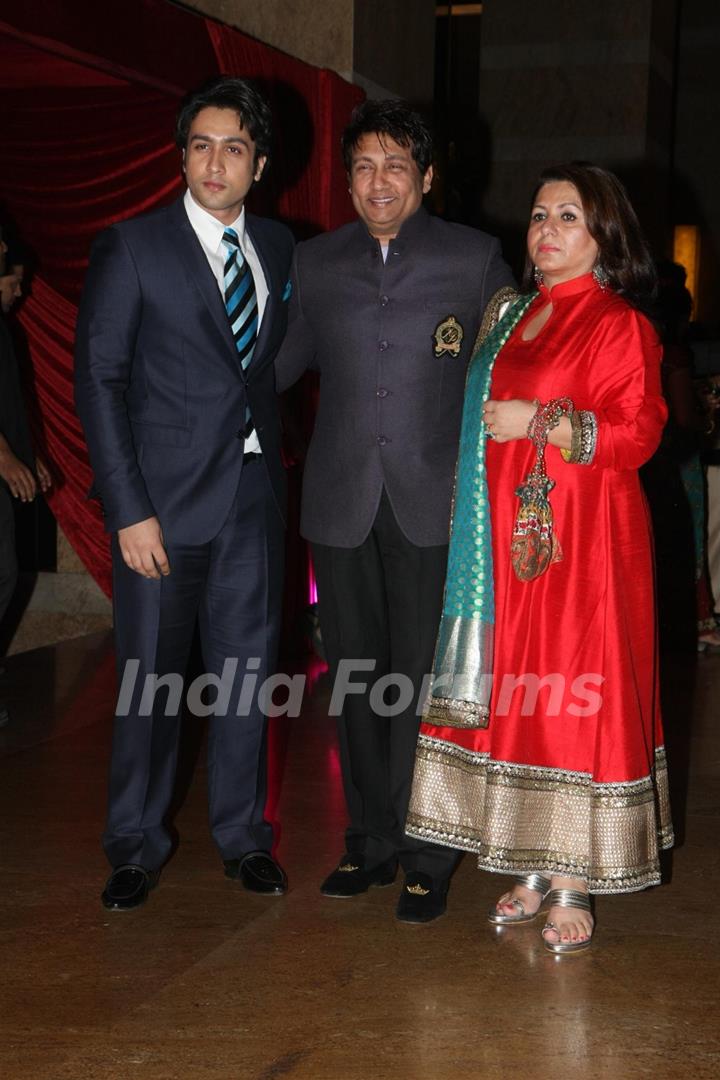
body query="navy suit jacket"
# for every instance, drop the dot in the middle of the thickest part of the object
(159, 389)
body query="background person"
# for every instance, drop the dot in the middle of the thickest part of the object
(674, 481)
(566, 788)
(20, 473)
(711, 459)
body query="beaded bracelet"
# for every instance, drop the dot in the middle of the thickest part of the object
(545, 418)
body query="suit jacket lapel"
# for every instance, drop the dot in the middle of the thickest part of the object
(273, 286)
(201, 276)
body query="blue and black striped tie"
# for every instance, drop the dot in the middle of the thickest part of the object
(240, 304)
(240, 297)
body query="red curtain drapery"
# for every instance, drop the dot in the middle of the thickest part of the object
(88, 102)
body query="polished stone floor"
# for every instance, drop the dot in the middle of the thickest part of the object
(206, 981)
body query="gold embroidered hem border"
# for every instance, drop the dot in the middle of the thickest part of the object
(453, 712)
(523, 818)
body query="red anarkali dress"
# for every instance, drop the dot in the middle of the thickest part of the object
(569, 777)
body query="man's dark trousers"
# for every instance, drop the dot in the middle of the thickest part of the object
(382, 601)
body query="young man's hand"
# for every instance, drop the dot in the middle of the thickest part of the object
(141, 546)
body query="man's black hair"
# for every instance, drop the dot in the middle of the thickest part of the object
(227, 92)
(394, 119)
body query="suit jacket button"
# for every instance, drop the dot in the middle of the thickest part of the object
(383, 345)
(382, 392)
(382, 440)
(384, 300)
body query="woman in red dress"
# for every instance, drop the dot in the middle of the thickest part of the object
(560, 776)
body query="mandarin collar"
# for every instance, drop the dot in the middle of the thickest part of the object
(411, 231)
(569, 288)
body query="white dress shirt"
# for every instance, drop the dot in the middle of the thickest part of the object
(209, 232)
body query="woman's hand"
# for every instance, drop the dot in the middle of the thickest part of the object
(508, 420)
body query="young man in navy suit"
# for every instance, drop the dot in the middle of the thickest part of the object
(182, 314)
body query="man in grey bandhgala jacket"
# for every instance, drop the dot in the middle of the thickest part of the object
(386, 310)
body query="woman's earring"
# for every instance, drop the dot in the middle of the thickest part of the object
(537, 276)
(601, 275)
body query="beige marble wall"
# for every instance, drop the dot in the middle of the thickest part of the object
(385, 46)
(319, 33)
(67, 560)
(61, 606)
(52, 607)
(574, 79)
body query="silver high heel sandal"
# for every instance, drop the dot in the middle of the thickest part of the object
(537, 883)
(567, 898)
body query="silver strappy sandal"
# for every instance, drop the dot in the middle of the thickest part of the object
(537, 883)
(567, 898)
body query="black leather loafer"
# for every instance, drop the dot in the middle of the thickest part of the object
(128, 887)
(422, 899)
(258, 872)
(351, 878)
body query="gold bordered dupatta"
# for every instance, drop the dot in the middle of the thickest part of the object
(462, 670)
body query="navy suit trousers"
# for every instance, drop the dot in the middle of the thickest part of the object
(232, 587)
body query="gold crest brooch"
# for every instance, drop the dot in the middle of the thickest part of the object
(448, 336)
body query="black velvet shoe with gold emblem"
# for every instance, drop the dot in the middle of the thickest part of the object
(422, 899)
(351, 878)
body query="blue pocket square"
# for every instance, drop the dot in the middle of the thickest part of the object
(287, 291)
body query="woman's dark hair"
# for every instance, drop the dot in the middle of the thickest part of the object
(394, 119)
(227, 92)
(613, 225)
